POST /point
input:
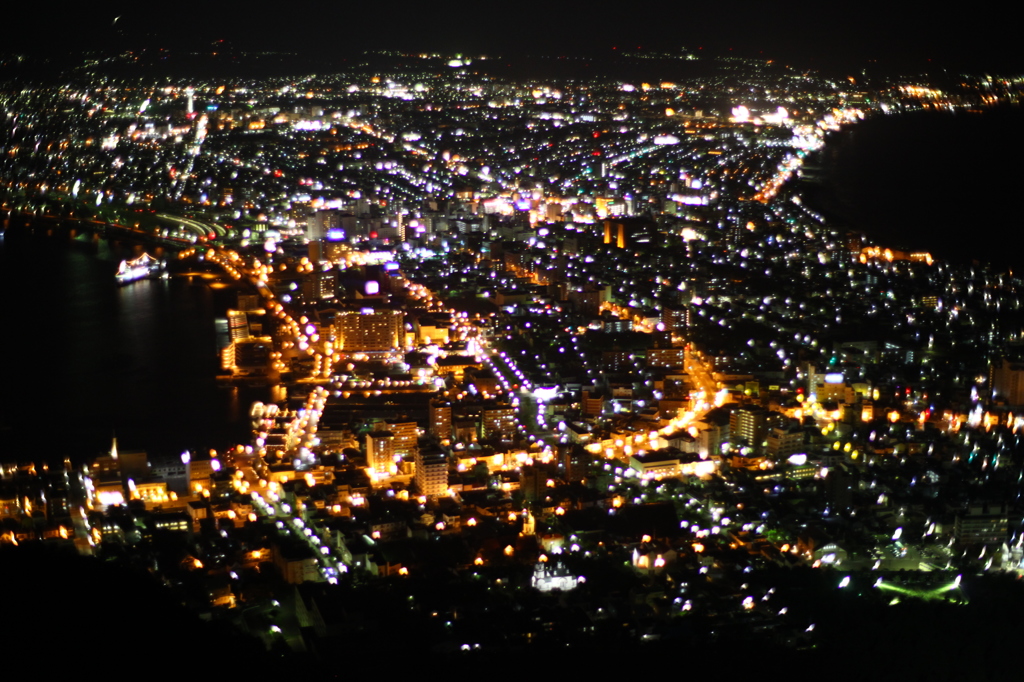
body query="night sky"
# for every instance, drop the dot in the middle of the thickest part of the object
(976, 36)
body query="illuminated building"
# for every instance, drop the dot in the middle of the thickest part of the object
(750, 424)
(500, 420)
(319, 285)
(173, 521)
(316, 227)
(574, 461)
(617, 360)
(431, 472)
(238, 325)
(199, 472)
(455, 365)
(370, 330)
(430, 330)
(1007, 381)
(406, 435)
(676, 319)
(665, 357)
(827, 386)
(249, 356)
(661, 464)
(440, 419)
(593, 402)
(785, 442)
(552, 575)
(112, 472)
(380, 452)
(982, 524)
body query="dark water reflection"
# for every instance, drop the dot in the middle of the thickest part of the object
(84, 358)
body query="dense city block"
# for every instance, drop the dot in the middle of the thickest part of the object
(549, 363)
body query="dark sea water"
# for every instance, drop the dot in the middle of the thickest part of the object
(951, 183)
(84, 358)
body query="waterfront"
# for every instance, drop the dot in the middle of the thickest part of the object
(86, 358)
(938, 181)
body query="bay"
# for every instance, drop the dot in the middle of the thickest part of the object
(947, 182)
(85, 359)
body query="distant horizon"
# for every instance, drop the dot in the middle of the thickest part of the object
(867, 35)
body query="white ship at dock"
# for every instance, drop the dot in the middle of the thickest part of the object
(143, 267)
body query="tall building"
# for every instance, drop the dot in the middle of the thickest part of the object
(370, 330)
(431, 471)
(749, 423)
(677, 318)
(406, 436)
(498, 420)
(380, 452)
(319, 285)
(440, 419)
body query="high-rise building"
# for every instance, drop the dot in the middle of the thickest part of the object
(319, 285)
(370, 330)
(676, 319)
(498, 420)
(431, 471)
(406, 436)
(749, 423)
(380, 452)
(440, 419)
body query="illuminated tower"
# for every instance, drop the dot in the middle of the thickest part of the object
(189, 92)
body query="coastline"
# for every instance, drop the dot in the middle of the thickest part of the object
(901, 182)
